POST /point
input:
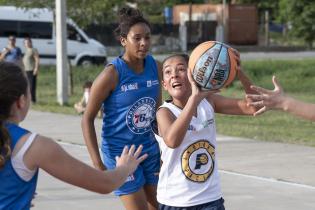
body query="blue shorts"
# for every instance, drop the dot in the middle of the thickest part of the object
(146, 173)
(213, 205)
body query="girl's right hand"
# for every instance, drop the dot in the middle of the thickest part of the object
(196, 90)
(130, 159)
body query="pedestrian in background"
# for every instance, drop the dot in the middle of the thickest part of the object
(11, 53)
(80, 106)
(31, 65)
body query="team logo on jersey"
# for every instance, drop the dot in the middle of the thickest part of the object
(198, 161)
(130, 178)
(151, 83)
(140, 115)
(131, 86)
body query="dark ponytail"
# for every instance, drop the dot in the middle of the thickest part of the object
(5, 149)
(13, 84)
(127, 18)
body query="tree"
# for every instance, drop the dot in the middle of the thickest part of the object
(300, 17)
(83, 12)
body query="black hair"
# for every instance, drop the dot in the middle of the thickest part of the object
(87, 84)
(127, 18)
(13, 84)
(28, 38)
(183, 55)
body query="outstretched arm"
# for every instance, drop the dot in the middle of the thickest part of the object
(51, 157)
(277, 99)
(242, 76)
(245, 82)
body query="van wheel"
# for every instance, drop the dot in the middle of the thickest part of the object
(86, 62)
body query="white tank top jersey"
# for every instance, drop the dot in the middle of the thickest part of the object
(189, 173)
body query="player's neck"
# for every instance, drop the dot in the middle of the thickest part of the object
(179, 103)
(135, 64)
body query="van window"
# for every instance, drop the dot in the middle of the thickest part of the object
(8, 28)
(74, 35)
(38, 30)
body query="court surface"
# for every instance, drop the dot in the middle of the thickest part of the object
(255, 175)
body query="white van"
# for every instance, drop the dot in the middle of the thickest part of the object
(38, 24)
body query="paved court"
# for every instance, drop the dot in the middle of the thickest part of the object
(255, 175)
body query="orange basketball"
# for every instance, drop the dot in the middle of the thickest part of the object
(213, 65)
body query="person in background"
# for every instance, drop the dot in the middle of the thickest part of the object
(12, 53)
(277, 99)
(31, 65)
(81, 105)
(23, 152)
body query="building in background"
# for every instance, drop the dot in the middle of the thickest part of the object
(233, 24)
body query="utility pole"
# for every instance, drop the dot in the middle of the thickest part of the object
(267, 28)
(224, 20)
(61, 51)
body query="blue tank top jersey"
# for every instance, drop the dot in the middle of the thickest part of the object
(130, 109)
(15, 193)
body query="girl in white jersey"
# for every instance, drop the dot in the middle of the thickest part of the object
(189, 177)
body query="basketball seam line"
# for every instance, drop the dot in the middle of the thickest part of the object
(214, 65)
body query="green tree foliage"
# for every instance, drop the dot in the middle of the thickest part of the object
(300, 17)
(83, 12)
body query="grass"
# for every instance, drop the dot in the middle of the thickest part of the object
(46, 90)
(297, 77)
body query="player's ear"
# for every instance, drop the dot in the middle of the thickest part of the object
(163, 84)
(123, 41)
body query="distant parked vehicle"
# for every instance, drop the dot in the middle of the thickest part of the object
(38, 24)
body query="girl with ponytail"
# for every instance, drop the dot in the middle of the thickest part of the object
(22, 152)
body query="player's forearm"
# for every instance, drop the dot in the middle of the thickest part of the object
(106, 181)
(90, 138)
(245, 82)
(299, 108)
(178, 129)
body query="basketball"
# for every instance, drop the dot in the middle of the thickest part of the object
(213, 65)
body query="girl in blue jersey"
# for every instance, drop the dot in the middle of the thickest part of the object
(129, 91)
(23, 152)
(189, 177)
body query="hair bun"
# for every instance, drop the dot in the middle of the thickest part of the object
(128, 12)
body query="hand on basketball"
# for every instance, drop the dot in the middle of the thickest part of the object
(266, 99)
(196, 90)
(130, 159)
